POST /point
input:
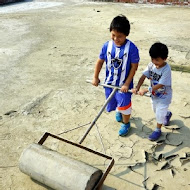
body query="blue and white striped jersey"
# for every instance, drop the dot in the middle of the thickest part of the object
(118, 61)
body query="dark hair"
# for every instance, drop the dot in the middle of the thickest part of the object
(158, 50)
(121, 24)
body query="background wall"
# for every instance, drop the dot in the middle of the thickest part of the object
(167, 2)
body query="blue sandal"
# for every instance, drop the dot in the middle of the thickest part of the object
(124, 129)
(155, 135)
(118, 117)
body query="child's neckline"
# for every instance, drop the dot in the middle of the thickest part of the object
(121, 45)
(160, 67)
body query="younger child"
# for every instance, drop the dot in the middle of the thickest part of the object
(158, 72)
(121, 57)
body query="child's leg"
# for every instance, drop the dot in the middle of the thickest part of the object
(159, 125)
(124, 108)
(125, 115)
(160, 112)
(126, 118)
(167, 118)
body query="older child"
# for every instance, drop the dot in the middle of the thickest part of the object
(121, 57)
(158, 72)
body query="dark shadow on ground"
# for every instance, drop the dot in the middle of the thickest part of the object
(12, 2)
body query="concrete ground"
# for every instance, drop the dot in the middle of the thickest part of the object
(48, 50)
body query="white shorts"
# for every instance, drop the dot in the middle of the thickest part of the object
(125, 112)
(160, 110)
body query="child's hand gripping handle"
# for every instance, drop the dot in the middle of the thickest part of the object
(115, 87)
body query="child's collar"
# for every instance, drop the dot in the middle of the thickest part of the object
(122, 44)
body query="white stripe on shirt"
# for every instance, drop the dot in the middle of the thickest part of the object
(109, 49)
(124, 66)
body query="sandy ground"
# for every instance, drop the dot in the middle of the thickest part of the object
(48, 50)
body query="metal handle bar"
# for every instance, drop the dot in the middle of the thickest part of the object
(116, 87)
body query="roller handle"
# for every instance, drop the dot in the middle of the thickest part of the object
(116, 87)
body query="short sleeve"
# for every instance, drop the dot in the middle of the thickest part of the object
(134, 53)
(103, 51)
(146, 72)
(166, 77)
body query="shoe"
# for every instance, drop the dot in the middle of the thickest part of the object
(155, 135)
(118, 117)
(124, 129)
(167, 118)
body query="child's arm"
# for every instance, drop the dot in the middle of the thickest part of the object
(156, 87)
(97, 70)
(140, 82)
(132, 72)
(150, 89)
